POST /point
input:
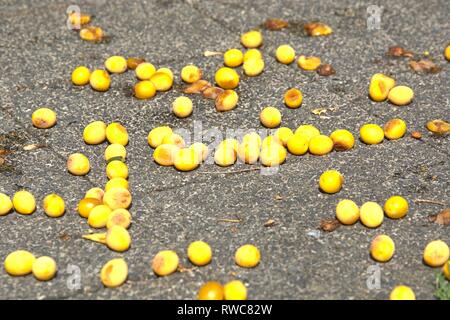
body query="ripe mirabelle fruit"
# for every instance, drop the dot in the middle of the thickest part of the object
(54, 205)
(394, 129)
(157, 134)
(379, 87)
(43, 118)
(95, 132)
(199, 253)
(114, 273)
(100, 80)
(24, 202)
(285, 54)
(19, 263)
(320, 145)
(331, 181)
(382, 248)
(436, 253)
(44, 268)
(247, 256)
(165, 262)
(235, 290)
(371, 133)
(80, 76)
(371, 214)
(347, 212)
(270, 117)
(227, 78)
(293, 98)
(342, 140)
(402, 293)
(211, 290)
(252, 39)
(396, 207)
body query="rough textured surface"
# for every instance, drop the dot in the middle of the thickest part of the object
(171, 209)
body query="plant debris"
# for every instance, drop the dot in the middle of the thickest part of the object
(276, 24)
(316, 29)
(33, 146)
(197, 87)
(416, 135)
(325, 70)
(329, 225)
(426, 66)
(96, 237)
(397, 51)
(208, 53)
(270, 223)
(442, 218)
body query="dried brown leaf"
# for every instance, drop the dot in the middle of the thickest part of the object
(197, 87)
(212, 92)
(416, 135)
(329, 225)
(442, 218)
(270, 223)
(316, 29)
(275, 24)
(426, 66)
(397, 51)
(325, 70)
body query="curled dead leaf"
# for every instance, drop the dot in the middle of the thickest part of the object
(316, 29)
(416, 135)
(329, 225)
(397, 51)
(96, 237)
(426, 66)
(275, 24)
(197, 87)
(438, 126)
(212, 92)
(442, 218)
(325, 70)
(270, 223)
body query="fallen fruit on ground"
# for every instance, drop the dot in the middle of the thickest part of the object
(116, 169)
(165, 153)
(446, 270)
(316, 29)
(293, 98)
(342, 140)
(78, 164)
(114, 273)
(371, 133)
(80, 76)
(298, 144)
(247, 256)
(211, 290)
(117, 198)
(186, 159)
(116, 64)
(270, 117)
(252, 54)
(235, 290)
(439, 127)
(225, 155)
(165, 263)
(116, 151)
(119, 217)
(96, 193)
(320, 145)
(44, 268)
(253, 67)
(233, 58)
(347, 212)
(308, 130)
(133, 62)
(379, 87)
(227, 78)
(252, 39)
(24, 202)
(86, 205)
(394, 129)
(95, 132)
(98, 216)
(54, 205)
(402, 293)
(273, 155)
(118, 238)
(100, 80)
(19, 263)
(371, 214)
(91, 33)
(331, 181)
(382, 248)
(201, 149)
(43, 118)
(162, 81)
(174, 139)
(199, 253)
(191, 74)
(144, 89)
(248, 152)
(117, 133)
(283, 135)
(156, 135)
(182, 107)
(145, 70)
(436, 253)
(285, 54)
(115, 183)
(396, 207)
(401, 95)
(308, 63)
(6, 204)
(226, 100)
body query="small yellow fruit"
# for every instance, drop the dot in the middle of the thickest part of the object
(44, 268)
(5, 204)
(235, 290)
(114, 273)
(382, 248)
(285, 54)
(117, 169)
(231, 143)
(371, 214)
(91, 33)
(191, 73)
(211, 290)
(95, 132)
(86, 205)
(270, 117)
(248, 152)
(119, 217)
(116, 64)
(401, 95)
(100, 80)
(81, 76)
(347, 212)
(447, 53)
(317, 29)
(117, 198)
(308, 130)
(283, 135)
(116, 133)
(253, 67)
(269, 141)
(320, 145)
(98, 216)
(199, 253)
(247, 256)
(182, 107)
(233, 58)
(436, 253)
(252, 54)
(298, 144)
(78, 164)
(371, 133)
(54, 205)
(446, 270)
(43, 118)
(252, 137)
(19, 263)
(186, 159)
(293, 98)
(24, 202)
(174, 139)
(396, 207)
(144, 89)
(252, 39)
(342, 140)
(144, 71)
(115, 151)
(164, 154)
(402, 293)
(156, 135)
(226, 100)
(162, 81)
(394, 129)
(165, 262)
(166, 71)
(118, 238)
(227, 78)
(273, 155)
(308, 63)
(201, 149)
(331, 181)
(115, 183)
(78, 18)
(379, 87)
(96, 193)
(225, 155)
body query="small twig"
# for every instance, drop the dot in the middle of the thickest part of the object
(208, 53)
(230, 220)
(430, 201)
(229, 172)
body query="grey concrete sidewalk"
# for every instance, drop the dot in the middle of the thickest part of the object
(171, 209)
